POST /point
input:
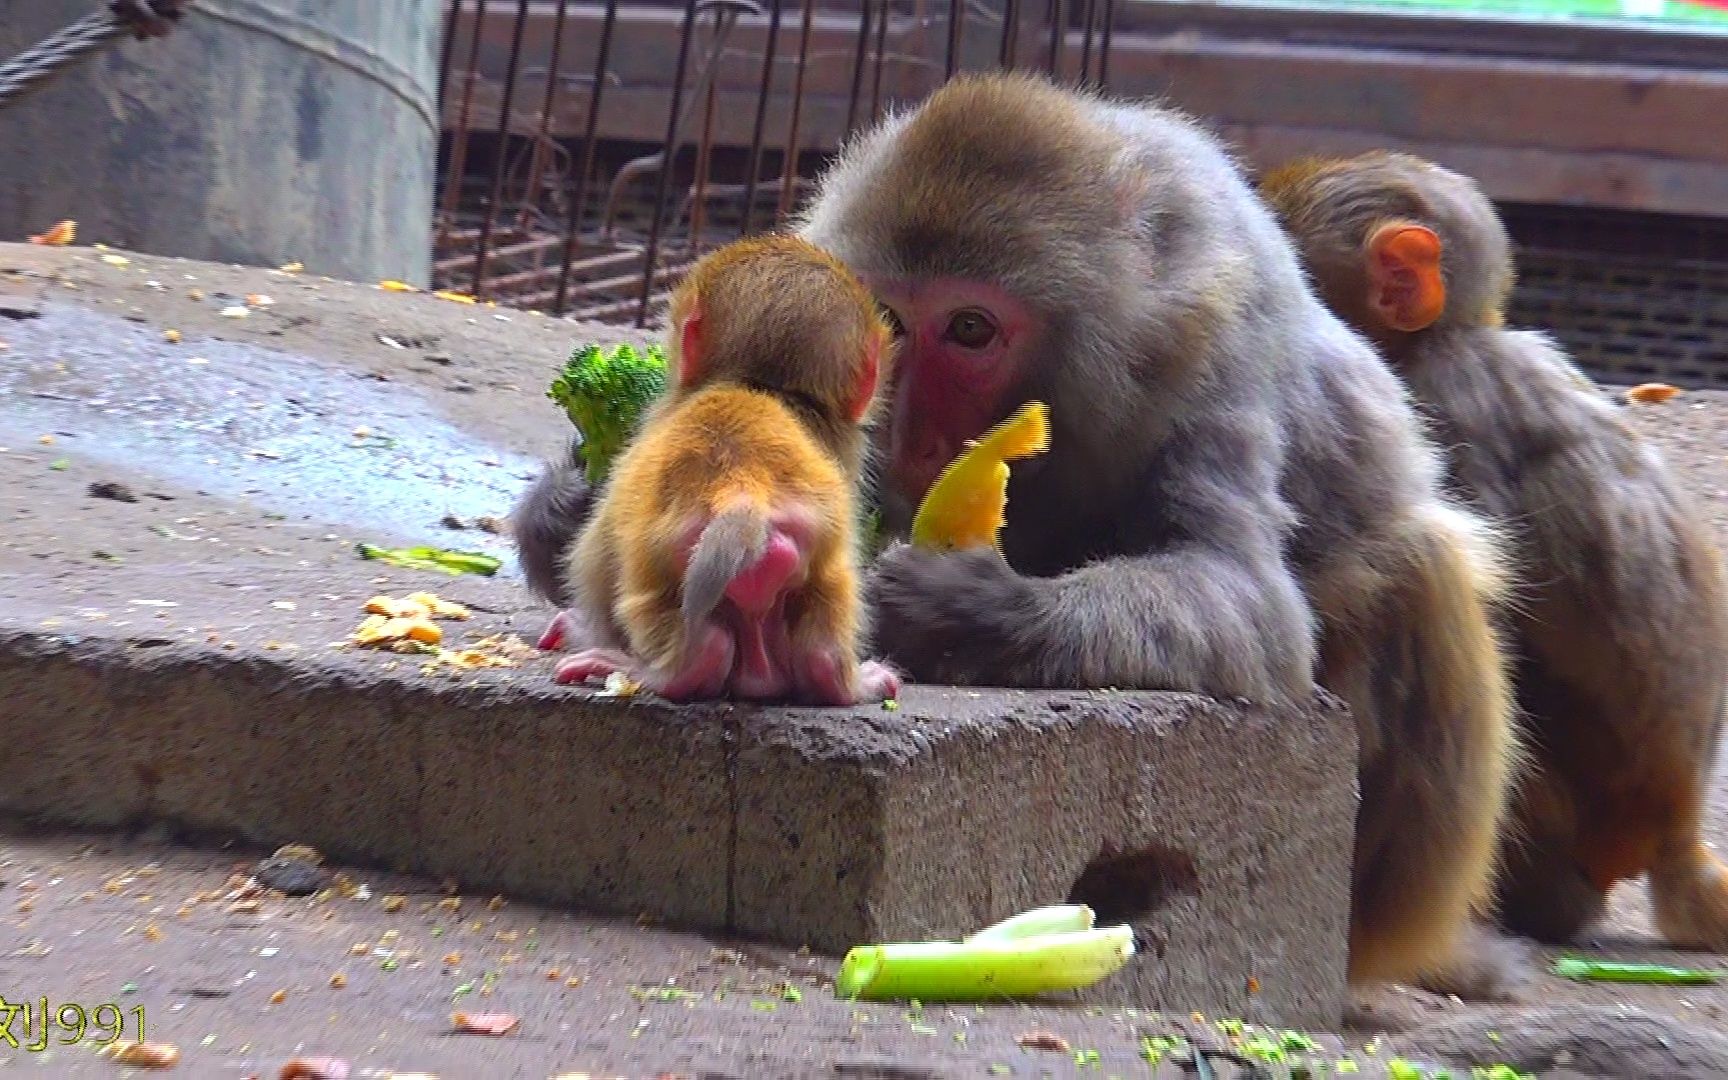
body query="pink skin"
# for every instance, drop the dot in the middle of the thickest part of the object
(738, 652)
(948, 390)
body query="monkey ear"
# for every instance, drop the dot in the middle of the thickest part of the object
(868, 372)
(690, 345)
(1405, 287)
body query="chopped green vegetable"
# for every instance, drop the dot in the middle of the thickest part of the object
(1576, 967)
(431, 558)
(984, 969)
(604, 393)
(1059, 919)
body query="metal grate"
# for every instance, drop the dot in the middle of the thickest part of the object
(1635, 297)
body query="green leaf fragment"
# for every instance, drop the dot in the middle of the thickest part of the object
(1577, 967)
(431, 558)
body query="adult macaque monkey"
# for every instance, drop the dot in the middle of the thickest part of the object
(1237, 500)
(1621, 632)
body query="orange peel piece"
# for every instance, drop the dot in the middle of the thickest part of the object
(1651, 393)
(967, 505)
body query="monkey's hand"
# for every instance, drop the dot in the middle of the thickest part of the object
(1216, 619)
(957, 617)
(547, 520)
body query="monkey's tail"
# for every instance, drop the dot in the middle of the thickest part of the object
(732, 542)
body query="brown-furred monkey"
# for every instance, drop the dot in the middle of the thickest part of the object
(1621, 625)
(720, 559)
(1237, 499)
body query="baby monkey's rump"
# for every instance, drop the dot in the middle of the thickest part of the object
(722, 557)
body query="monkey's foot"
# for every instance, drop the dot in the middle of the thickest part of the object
(557, 632)
(821, 680)
(1486, 966)
(591, 663)
(1690, 897)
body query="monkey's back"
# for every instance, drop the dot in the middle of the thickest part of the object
(718, 445)
(1621, 596)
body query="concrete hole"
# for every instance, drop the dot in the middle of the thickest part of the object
(1130, 886)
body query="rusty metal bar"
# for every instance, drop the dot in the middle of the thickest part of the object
(1010, 34)
(531, 189)
(880, 62)
(672, 116)
(459, 140)
(956, 17)
(757, 132)
(1104, 48)
(722, 18)
(864, 13)
(1088, 14)
(445, 54)
(502, 158)
(579, 199)
(1053, 60)
(789, 161)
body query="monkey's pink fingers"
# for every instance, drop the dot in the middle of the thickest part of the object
(704, 674)
(591, 663)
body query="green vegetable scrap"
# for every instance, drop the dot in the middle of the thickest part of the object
(431, 558)
(604, 393)
(1577, 967)
(1036, 952)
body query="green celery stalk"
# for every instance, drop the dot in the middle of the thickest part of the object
(1059, 919)
(980, 970)
(1576, 967)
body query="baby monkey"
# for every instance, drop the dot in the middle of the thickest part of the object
(1621, 630)
(721, 559)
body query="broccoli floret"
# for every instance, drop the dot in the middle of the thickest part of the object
(604, 393)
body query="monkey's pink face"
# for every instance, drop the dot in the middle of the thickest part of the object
(963, 348)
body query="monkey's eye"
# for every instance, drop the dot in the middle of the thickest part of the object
(971, 329)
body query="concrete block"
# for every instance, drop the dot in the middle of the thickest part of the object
(1221, 831)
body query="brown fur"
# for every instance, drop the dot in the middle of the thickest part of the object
(1621, 621)
(1237, 497)
(771, 348)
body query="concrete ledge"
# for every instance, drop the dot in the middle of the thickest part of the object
(1221, 831)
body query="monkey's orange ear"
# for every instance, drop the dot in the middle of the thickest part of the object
(868, 372)
(690, 346)
(1404, 284)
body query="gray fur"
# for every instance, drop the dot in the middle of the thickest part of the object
(729, 544)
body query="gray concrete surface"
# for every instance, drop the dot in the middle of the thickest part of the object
(825, 828)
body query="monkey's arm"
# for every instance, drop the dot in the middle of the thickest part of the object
(1212, 609)
(547, 521)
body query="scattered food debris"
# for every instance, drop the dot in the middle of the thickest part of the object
(146, 1055)
(338, 981)
(1043, 1040)
(294, 871)
(115, 260)
(389, 285)
(111, 489)
(457, 297)
(431, 558)
(318, 1068)
(1652, 393)
(484, 1023)
(60, 235)
(172, 337)
(235, 311)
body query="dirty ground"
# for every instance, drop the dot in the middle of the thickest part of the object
(170, 426)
